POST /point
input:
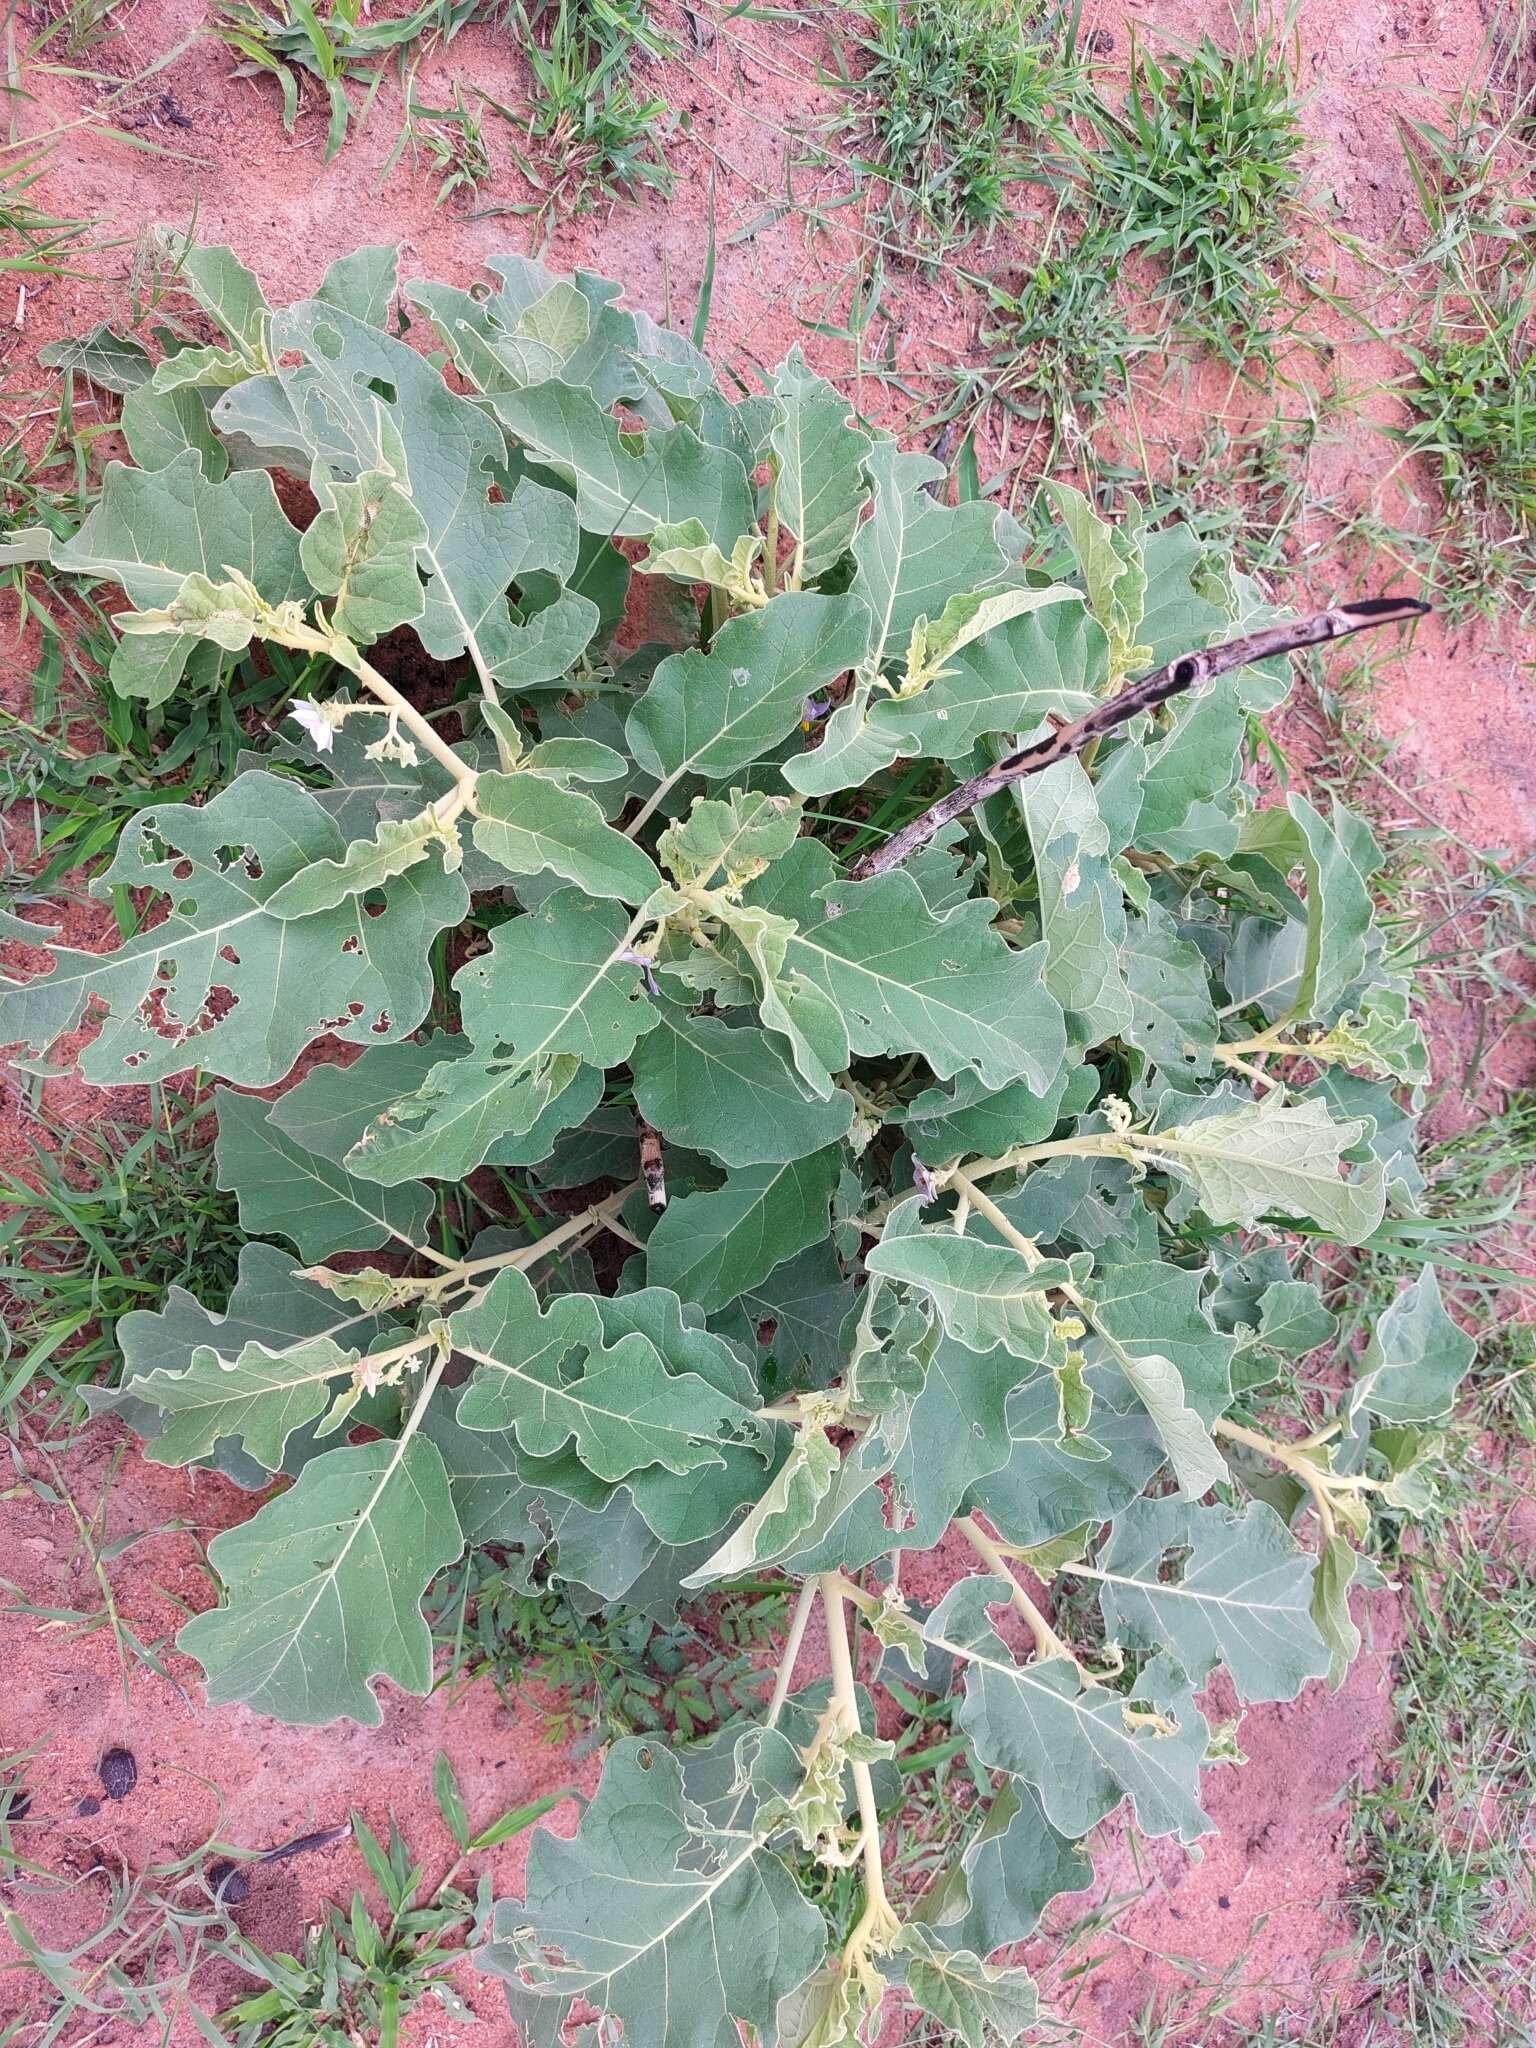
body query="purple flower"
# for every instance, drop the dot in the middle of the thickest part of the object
(815, 707)
(646, 965)
(923, 1181)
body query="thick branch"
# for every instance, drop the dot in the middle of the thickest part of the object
(1188, 672)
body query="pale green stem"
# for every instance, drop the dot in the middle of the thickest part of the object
(798, 1622)
(1047, 1643)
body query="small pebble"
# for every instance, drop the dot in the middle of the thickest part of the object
(118, 1773)
(88, 1807)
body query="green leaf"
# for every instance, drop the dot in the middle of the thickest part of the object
(1173, 1020)
(1336, 1564)
(913, 554)
(1416, 1359)
(709, 1248)
(1081, 912)
(1075, 1744)
(1113, 572)
(1339, 858)
(679, 1933)
(905, 981)
(360, 977)
(1241, 1597)
(367, 864)
(150, 528)
(1271, 1157)
(550, 1376)
(621, 490)
(1012, 1868)
(986, 1294)
(968, 1997)
(446, 453)
(782, 1517)
(1044, 1489)
(711, 714)
(323, 1587)
(224, 288)
(286, 1191)
(468, 1109)
(818, 483)
(729, 1091)
(1294, 1319)
(555, 981)
(360, 550)
(528, 823)
(257, 1399)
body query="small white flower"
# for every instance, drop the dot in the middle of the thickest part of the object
(309, 713)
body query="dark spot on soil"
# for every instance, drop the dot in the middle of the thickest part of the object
(118, 1773)
(88, 1806)
(229, 1884)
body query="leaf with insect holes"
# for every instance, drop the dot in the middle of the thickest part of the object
(619, 489)
(1241, 1596)
(323, 1587)
(443, 451)
(972, 2000)
(360, 551)
(222, 983)
(681, 1933)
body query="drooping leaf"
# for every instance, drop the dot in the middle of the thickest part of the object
(1081, 912)
(257, 1399)
(529, 823)
(1077, 1745)
(1340, 856)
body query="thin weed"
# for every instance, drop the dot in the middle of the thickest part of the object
(1472, 400)
(1443, 1842)
(453, 141)
(619, 1671)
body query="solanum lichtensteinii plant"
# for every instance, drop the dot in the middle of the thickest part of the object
(936, 1170)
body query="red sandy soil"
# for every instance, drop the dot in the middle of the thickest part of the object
(1266, 1909)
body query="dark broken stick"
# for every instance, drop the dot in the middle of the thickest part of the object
(1172, 680)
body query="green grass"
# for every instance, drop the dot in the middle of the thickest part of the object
(593, 134)
(1058, 350)
(101, 1225)
(1200, 172)
(1471, 396)
(944, 104)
